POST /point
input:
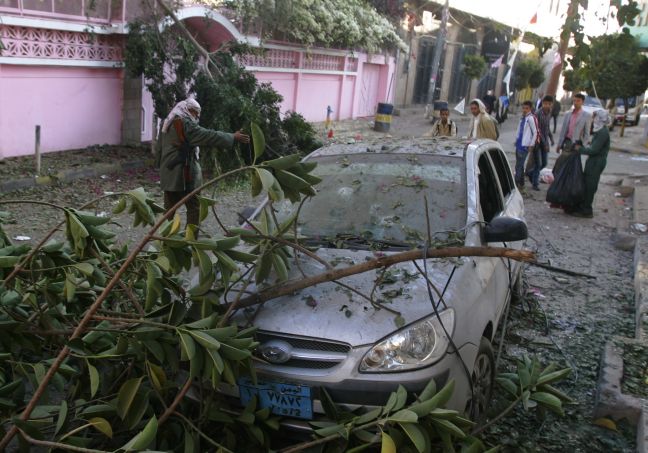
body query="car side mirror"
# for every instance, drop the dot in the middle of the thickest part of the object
(505, 229)
(244, 214)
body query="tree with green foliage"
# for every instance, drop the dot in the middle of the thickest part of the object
(230, 96)
(344, 24)
(573, 28)
(617, 68)
(474, 66)
(529, 73)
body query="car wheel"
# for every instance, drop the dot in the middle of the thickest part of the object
(483, 379)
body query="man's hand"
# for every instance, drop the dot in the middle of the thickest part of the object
(577, 147)
(241, 137)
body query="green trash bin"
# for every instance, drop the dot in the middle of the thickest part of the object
(383, 117)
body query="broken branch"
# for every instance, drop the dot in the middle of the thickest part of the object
(336, 274)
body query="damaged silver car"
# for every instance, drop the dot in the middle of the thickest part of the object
(362, 336)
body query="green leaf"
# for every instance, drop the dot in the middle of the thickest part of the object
(205, 340)
(403, 416)
(85, 268)
(205, 267)
(187, 347)
(553, 377)
(449, 427)
(121, 205)
(232, 353)
(367, 417)
(284, 162)
(548, 400)
(126, 396)
(417, 436)
(144, 438)
(88, 218)
(61, 417)
(158, 377)
(401, 398)
(189, 442)
(388, 445)
(267, 180)
(8, 261)
(205, 204)
(137, 410)
(255, 184)
(508, 385)
(258, 140)
(334, 429)
(39, 372)
(102, 425)
(94, 380)
(288, 179)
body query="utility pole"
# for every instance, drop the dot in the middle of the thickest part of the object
(552, 86)
(438, 48)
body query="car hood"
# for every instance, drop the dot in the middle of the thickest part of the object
(335, 312)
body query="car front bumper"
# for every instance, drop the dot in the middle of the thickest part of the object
(352, 389)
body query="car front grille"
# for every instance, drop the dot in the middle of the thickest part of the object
(308, 353)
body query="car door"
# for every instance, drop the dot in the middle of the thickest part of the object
(493, 202)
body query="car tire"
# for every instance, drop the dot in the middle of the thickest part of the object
(517, 288)
(483, 381)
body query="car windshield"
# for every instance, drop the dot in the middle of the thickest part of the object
(592, 102)
(382, 197)
(631, 102)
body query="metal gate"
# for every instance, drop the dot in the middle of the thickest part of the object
(424, 71)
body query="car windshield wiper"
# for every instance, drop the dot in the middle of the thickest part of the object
(357, 242)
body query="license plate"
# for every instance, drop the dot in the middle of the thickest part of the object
(283, 399)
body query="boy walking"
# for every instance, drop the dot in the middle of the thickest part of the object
(526, 140)
(538, 158)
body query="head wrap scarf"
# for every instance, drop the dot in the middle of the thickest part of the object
(600, 118)
(482, 106)
(181, 110)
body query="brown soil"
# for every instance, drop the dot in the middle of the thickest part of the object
(52, 163)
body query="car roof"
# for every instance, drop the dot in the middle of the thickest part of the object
(440, 146)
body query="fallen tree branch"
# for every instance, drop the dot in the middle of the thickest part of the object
(292, 286)
(92, 309)
(549, 267)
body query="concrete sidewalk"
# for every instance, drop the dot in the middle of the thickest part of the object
(634, 140)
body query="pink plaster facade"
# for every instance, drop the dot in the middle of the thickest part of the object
(75, 107)
(55, 74)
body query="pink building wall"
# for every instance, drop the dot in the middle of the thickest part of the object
(352, 90)
(53, 73)
(75, 107)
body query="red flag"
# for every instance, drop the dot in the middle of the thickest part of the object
(534, 19)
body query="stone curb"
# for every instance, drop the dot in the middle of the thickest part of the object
(641, 288)
(642, 430)
(635, 149)
(609, 399)
(69, 175)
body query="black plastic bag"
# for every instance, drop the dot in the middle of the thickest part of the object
(568, 187)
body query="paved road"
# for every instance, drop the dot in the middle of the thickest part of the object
(618, 163)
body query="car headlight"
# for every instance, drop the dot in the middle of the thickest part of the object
(416, 346)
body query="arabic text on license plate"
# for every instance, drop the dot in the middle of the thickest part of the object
(283, 399)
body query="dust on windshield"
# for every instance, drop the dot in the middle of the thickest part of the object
(382, 197)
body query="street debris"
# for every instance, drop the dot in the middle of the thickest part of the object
(22, 238)
(640, 227)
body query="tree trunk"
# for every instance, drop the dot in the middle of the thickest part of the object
(552, 86)
(625, 113)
